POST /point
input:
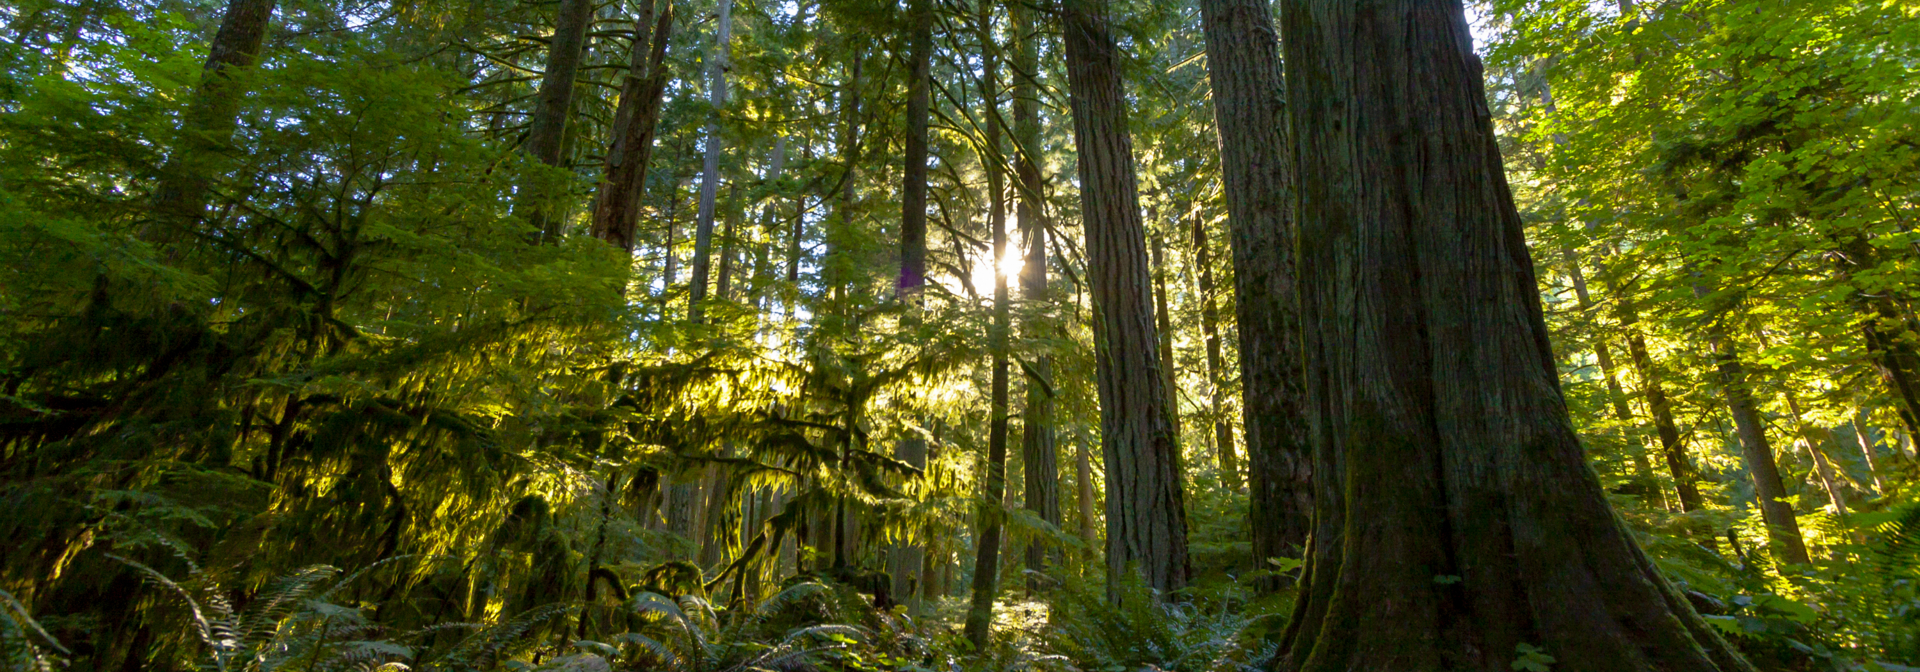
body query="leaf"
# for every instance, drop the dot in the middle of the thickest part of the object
(1532, 659)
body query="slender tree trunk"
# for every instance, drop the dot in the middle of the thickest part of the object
(1039, 449)
(903, 558)
(1672, 451)
(635, 120)
(1216, 375)
(769, 226)
(1616, 396)
(729, 244)
(1163, 326)
(1146, 507)
(1816, 438)
(1866, 450)
(986, 566)
(717, 65)
(1250, 113)
(1783, 531)
(180, 197)
(1456, 520)
(1083, 496)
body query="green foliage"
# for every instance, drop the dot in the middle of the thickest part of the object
(1144, 630)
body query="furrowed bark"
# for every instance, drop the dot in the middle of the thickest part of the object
(635, 121)
(1146, 507)
(1256, 145)
(905, 558)
(1456, 519)
(1039, 449)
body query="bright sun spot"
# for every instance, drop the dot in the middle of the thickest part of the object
(983, 272)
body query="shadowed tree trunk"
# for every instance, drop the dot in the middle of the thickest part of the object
(181, 195)
(1456, 520)
(986, 566)
(1146, 507)
(553, 103)
(904, 558)
(1250, 112)
(710, 168)
(635, 120)
(1216, 377)
(1866, 449)
(1039, 449)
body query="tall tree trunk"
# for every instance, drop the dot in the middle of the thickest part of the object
(1216, 375)
(729, 244)
(1146, 506)
(1163, 327)
(1672, 451)
(717, 65)
(553, 103)
(1616, 396)
(1783, 531)
(683, 505)
(986, 566)
(1250, 113)
(902, 559)
(1456, 520)
(1039, 449)
(180, 197)
(769, 225)
(635, 120)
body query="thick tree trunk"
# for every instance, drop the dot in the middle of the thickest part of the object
(1039, 449)
(1783, 531)
(1146, 507)
(683, 505)
(1616, 396)
(986, 566)
(1216, 377)
(635, 120)
(1456, 520)
(180, 197)
(1250, 113)
(717, 64)
(553, 103)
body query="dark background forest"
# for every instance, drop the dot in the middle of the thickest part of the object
(1092, 335)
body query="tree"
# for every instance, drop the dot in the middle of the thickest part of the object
(617, 206)
(554, 102)
(1039, 449)
(710, 168)
(1146, 507)
(181, 194)
(1457, 524)
(986, 566)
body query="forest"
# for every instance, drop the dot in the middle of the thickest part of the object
(960, 335)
